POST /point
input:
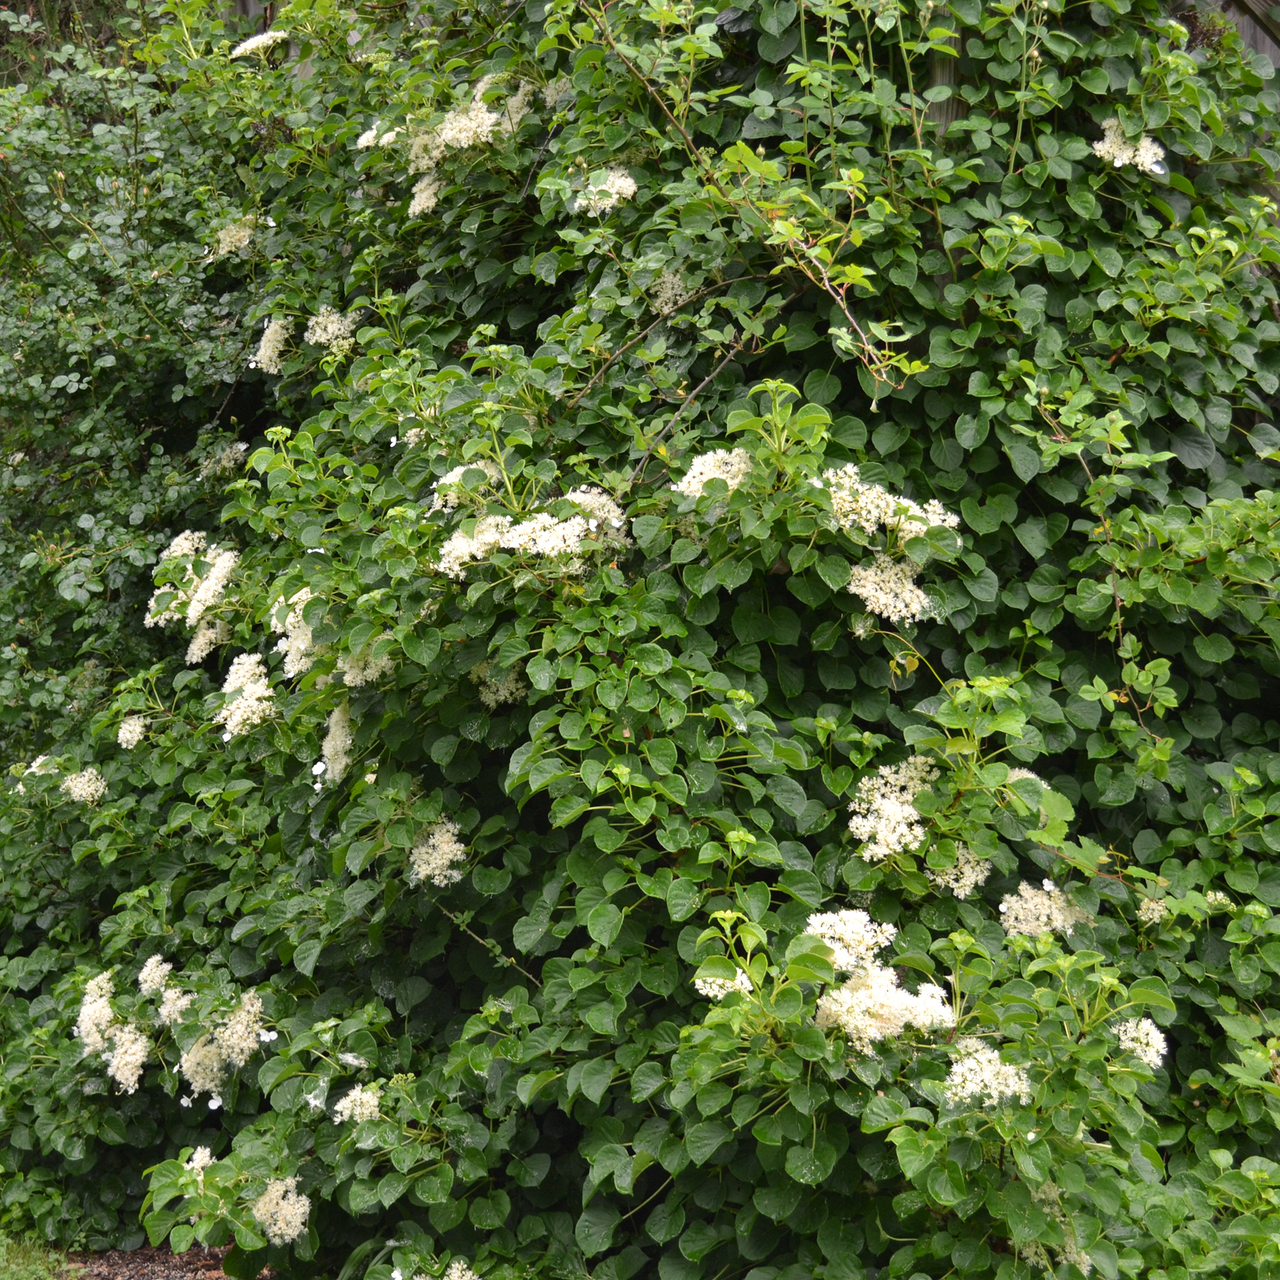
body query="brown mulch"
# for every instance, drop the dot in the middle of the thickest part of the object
(148, 1263)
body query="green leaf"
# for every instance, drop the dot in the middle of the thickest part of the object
(811, 1165)
(703, 1140)
(594, 1229)
(604, 923)
(422, 649)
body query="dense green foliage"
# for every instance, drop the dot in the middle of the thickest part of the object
(484, 828)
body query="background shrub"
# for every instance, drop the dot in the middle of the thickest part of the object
(670, 427)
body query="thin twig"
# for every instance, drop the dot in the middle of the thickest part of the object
(490, 946)
(666, 315)
(698, 390)
(685, 403)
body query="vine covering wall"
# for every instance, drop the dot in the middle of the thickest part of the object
(644, 641)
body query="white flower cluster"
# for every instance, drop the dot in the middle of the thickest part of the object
(447, 491)
(254, 702)
(229, 459)
(979, 1076)
(122, 1046)
(259, 43)
(967, 873)
(173, 1004)
(853, 936)
(40, 765)
(887, 586)
(330, 329)
(86, 787)
(730, 465)
(296, 641)
(154, 981)
(271, 346)
(472, 125)
(1033, 911)
(155, 973)
(1142, 1038)
(458, 1269)
(131, 731)
(1152, 910)
(888, 589)
(197, 593)
(497, 686)
(1217, 900)
(364, 667)
(282, 1211)
(1146, 155)
(201, 1159)
(425, 195)
(235, 237)
(558, 91)
(857, 504)
(376, 136)
(668, 292)
(1046, 1195)
(209, 633)
(127, 1056)
(718, 988)
(96, 1014)
(335, 752)
(871, 1007)
(435, 857)
(358, 1105)
(883, 811)
(203, 1067)
(597, 199)
(238, 1038)
(540, 535)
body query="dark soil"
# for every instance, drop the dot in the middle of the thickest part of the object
(149, 1263)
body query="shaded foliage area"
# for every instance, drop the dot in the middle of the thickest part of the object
(485, 826)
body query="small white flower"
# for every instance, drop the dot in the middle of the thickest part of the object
(1142, 1038)
(871, 1007)
(1033, 912)
(1146, 155)
(1152, 910)
(271, 346)
(282, 1211)
(852, 935)
(360, 1104)
(730, 465)
(254, 702)
(883, 808)
(155, 973)
(258, 43)
(86, 787)
(435, 859)
(718, 988)
(332, 330)
(600, 198)
(215, 1102)
(980, 1076)
(968, 873)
